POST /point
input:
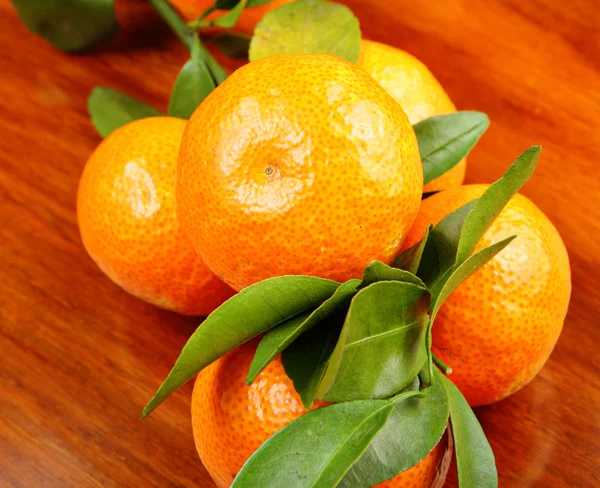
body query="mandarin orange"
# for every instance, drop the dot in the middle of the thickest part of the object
(498, 328)
(231, 419)
(415, 88)
(126, 215)
(297, 164)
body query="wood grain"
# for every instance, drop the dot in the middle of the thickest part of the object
(79, 357)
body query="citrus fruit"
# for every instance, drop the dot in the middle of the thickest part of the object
(414, 87)
(498, 328)
(231, 419)
(309, 168)
(126, 215)
(192, 9)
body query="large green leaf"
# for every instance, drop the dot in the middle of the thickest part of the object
(410, 259)
(193, 85)
(251, 312)
(307, 27)
(413, 429)
(446, 139)
(280, 337)
(474, 457)
(110, 109)
(70, 25)
(306, 359)
(378, 271)
(316, 450)
(495, 198)
(382, 345)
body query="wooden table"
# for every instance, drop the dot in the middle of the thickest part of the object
(79, 357)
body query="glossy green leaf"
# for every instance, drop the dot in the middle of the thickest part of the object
(307, 27)
(474, 457)
(234, 45)
(280, 337)
(110, 109)
(194, 83)
(382, 345)
(413, 429)
(316, 450)
(306, 359)
(495, 198)
(446, 139)
(378, 271)
(70, 25)
(251, 312)
(410, 259)
(229, 19)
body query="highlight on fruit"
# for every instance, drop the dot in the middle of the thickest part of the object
(311, 205)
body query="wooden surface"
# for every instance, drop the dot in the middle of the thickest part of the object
(79, 357)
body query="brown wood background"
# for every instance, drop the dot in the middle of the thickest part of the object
(79, 357)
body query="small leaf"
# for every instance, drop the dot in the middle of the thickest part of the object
(193, 85)
(317, 449)
(410, 433)
(410, 259)
(474, 457)
(495, 198)
(234, 45)
(446, 139)
(382, 345)
(228, 20)
(306, 359)
(110, 109)
(251, 312)
(70, 25)
(277, 339)
(307, 27)
(378, 271)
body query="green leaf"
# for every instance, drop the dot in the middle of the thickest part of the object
(446, 139)
(70, 25)
(317, 449)
(280, 337)
(110, 109)
(229, 4)
(306, 359)
(378, 271)
(410, 259)
(382, 345)
(410, 433)
(474, 457)
(310, 27)
(234, 45)
(228, 20)
(193, 85)
(251, 312)
(495, 198)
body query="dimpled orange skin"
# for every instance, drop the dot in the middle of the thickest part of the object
(126, 215)
(192, 9)
(309, 167)
(499, 327)
(414, 87)
(231, 420)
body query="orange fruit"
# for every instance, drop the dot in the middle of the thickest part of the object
(231, 419)
(126, 215)
(192, 9)
(415, 88)
(309, 168)
(498, 328)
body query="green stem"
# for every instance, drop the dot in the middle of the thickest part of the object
(441, 364)
(177, 25)
(186, 35)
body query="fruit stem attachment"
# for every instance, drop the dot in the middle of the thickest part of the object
(441, 364)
